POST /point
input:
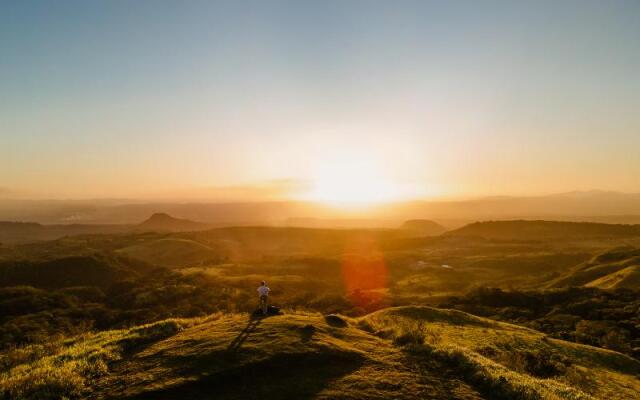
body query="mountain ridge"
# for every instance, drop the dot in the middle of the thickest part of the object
(578, 204)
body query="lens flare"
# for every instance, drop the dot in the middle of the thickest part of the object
(365, 273)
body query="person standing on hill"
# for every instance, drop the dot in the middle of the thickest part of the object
(263, 291)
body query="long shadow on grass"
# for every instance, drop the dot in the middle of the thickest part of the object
(283, 376)
(252, 325)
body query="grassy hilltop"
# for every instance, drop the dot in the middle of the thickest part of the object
(401, 352)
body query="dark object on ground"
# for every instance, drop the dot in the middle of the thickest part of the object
(307, 331)
(308, 328)
(335, 320)
(271, 310)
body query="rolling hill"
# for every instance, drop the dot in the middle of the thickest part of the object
(262, 242)
(545, 230)
(240, 244)
(25, 232)
(99, 270)
(161, 222)
(401, 353)
(612, 269)
(172, 252)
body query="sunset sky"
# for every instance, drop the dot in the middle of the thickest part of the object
(325, 100)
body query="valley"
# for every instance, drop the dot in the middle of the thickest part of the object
(165, 311)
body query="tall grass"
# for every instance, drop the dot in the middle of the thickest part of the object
(508, 380)
(63, 370)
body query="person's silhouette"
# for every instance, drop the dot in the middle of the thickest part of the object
(263, 291)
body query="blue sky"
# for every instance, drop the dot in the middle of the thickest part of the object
(109, 99)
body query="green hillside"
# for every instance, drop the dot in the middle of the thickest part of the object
(401, 353)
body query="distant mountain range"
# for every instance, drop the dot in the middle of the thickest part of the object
(22, 232)
(53, 219)
(588, 206)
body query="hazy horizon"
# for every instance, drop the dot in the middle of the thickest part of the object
(246, 194)
(331, 102)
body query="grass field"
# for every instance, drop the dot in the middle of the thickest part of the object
(402, 352)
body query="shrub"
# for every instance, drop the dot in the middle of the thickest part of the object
(27, 354)
(43, 383)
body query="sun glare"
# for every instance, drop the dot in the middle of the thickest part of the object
(352, 181)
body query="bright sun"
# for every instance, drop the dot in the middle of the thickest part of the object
(352, 181)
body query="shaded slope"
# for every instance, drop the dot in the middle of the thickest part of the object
(99, 270)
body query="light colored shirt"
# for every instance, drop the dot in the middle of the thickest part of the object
(263, 290)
